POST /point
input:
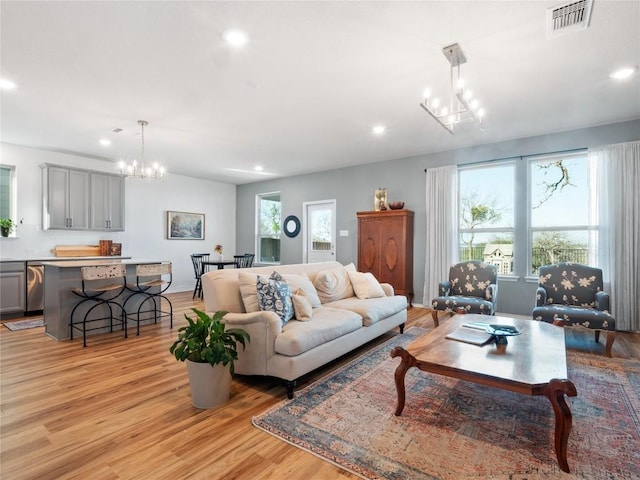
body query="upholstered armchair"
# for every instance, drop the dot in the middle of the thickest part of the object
(472, 288)
(570, 294)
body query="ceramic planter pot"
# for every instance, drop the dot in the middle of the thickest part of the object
(4, 231)
(210, 386)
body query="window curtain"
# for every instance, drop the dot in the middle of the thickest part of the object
(618, 207)
(441, 241)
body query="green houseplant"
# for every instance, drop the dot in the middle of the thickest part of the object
(6, 226)
(210, 350)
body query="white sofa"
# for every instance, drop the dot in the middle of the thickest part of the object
(337, 325)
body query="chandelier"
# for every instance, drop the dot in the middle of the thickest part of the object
(461, 106)
(135, 170)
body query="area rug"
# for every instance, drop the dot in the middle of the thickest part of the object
(453, 430)
(24, 324)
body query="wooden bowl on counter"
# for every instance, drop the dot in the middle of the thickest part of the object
(396, 205)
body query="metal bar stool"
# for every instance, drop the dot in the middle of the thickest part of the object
(95, 290)
(152, 289)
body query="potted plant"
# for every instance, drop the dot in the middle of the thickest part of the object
(209, 349)
(6, 226)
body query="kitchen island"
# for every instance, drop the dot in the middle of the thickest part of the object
(61, 276)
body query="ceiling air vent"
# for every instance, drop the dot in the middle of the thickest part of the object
(568, 18)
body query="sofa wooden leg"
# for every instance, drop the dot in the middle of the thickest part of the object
(401, 327)
(434, 315)
(291, 384)
(611, 336)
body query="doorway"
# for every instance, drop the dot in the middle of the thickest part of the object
(319, 231)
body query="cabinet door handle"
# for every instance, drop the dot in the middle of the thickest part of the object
(71, 223)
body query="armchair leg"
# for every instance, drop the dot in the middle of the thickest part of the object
(434, 315)
(611, 336)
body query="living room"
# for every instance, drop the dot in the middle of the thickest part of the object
(203, 180)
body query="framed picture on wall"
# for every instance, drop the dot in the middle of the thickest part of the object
(185, 226)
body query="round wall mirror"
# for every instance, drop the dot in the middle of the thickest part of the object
(291, 226)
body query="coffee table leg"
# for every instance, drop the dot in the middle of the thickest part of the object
(555, 391)
(407, 362)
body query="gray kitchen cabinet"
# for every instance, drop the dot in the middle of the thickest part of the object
(107, 202)
(12, 287)
(67, 198)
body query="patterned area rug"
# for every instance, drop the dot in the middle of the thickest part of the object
(24, 324)
(453, 430)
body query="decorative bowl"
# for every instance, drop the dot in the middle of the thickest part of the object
(396, 205)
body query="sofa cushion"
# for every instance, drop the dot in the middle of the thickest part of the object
(334, 283)
(274, 295)
(365, 285)
(302, 307)
(327, 324)
(302, 282)
(372, 310)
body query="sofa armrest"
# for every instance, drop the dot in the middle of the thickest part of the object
(262, 327)
(444, 288)
(541, 297)
(602, 301)
(388, 289)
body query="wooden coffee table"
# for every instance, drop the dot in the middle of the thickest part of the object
(532, 363)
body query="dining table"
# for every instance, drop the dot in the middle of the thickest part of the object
(219, 263)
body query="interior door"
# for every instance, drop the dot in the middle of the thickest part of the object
(319, 227)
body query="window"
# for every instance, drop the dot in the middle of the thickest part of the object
(561, 210)
(519, 215)
(486, 215)
(6, 191)
(268, 227)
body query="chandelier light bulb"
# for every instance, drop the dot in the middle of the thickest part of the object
(436, 103)
(427, 93)
(467, 95)
(474, 104)
(444, 112)
(480, 113)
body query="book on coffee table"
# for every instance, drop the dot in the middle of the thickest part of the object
(470, 335)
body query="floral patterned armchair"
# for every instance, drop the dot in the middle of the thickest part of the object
(570, 294)
(471, 288)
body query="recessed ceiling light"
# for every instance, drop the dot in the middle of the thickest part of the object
(258, 168)
(236, 38)
(7, 84)
(623, 73)
(105, 142)
(379, 129)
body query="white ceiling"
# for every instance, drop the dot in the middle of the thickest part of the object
(303, 95)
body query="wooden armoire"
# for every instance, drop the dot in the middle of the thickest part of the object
(385, 248)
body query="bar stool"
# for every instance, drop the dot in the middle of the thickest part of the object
(152, 290)
(94, 290)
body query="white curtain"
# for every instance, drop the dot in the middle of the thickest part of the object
(441, 241)
(618, 194)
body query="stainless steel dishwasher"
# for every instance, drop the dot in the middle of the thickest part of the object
(35, 287)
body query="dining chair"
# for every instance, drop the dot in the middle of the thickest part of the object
(197, 259)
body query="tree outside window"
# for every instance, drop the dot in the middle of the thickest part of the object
(268, 238)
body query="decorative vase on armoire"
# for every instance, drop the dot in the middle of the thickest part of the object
(385, 248)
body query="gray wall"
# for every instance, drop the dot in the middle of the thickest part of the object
(353, 187)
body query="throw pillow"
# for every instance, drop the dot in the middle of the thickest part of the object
(334, 283)
(365, 285)
(302, 306)
(248, 291)
(302, 282)
(274, 295)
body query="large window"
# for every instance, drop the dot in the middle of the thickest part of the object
(521, 214)
(6, 192)
(561, 210)
(268, 228)
(486, 217)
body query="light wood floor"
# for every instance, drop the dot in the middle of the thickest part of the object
(120, 409)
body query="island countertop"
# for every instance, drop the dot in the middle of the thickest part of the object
(63, 276)
(99, 261)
